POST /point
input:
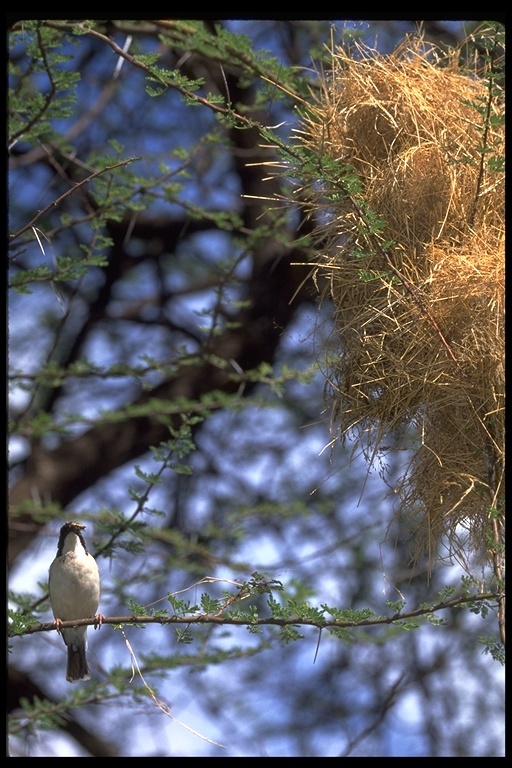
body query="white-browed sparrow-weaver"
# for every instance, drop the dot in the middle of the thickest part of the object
(74, 585)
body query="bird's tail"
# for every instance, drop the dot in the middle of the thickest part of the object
(77, 668)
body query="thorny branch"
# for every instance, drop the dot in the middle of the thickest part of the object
(68, 192)
(204, 618)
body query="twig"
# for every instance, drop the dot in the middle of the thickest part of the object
(70, 191)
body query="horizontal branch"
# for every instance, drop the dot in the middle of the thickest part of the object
(244, 621)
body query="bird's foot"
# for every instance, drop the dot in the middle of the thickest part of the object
(57, 624)
(98, 620)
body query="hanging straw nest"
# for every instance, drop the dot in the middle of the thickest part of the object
(412, 233)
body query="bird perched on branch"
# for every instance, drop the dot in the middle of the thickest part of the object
(74, 585)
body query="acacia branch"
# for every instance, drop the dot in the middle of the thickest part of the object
(70, 191)
(153, 75)
(289, 621)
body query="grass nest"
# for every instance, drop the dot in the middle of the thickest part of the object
(412, 218)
